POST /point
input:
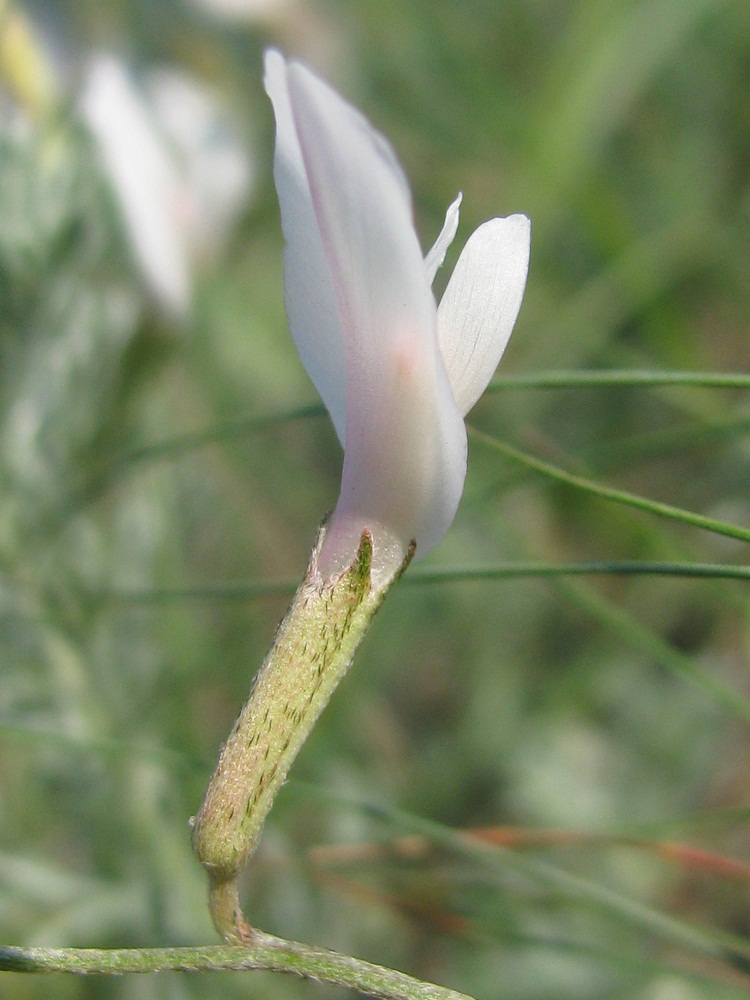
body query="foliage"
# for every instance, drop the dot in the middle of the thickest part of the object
(148, 499)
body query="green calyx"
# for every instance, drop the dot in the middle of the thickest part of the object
(312, 650)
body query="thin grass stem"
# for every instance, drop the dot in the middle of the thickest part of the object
(590, 486)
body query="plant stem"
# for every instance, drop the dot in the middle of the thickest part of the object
(594, 488)
(633, 378)
(270, 953)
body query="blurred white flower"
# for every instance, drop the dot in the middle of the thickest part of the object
(179, 172)
(397, 373)
(246, 10)
(306, 26)
(216, 169)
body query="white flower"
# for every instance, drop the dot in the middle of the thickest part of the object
(177, 170)
(396, 372)
(245, 10)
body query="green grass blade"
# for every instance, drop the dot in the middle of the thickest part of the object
(634, 379)
(559, 475)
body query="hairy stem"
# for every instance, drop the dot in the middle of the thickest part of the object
(269, 953)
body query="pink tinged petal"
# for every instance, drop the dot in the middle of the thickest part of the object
(404, 467)
(434, 259)
(405, 457)
(308, 291)
(480, 305)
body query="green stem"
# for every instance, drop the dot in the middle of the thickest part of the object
(635, 378)
(610, 493)
(243, 426)
(270, 953)
(623, 624)
(729, 949)
(252, 589)
(533, 568)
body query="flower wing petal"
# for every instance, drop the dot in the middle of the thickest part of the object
(405, 458)
(480, 305)
(308, 292)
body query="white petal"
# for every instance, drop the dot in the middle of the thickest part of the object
(404, 464)
(404, 471)
(144, 177)
(481, 303)
(308, 292)
(436, 255)
(217, 170)
(247, 10)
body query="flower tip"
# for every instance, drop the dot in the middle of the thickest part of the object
(434, 259)
(272, 59)
(521, 224)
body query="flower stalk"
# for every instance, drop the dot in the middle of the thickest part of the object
(398, 373)
(271, 954)
(312, 650)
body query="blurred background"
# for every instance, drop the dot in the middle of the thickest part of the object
(164, 464)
